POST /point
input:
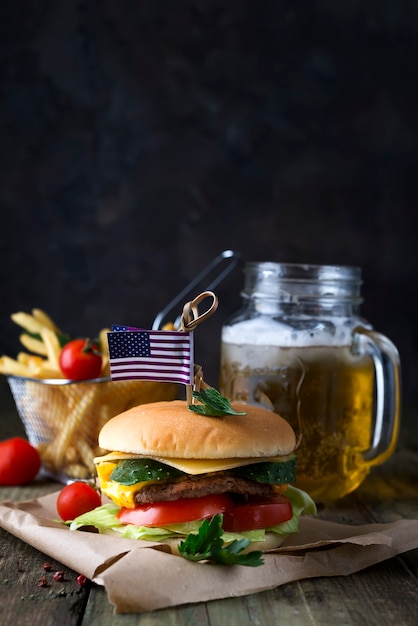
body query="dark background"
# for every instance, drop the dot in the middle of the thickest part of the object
(140, 139)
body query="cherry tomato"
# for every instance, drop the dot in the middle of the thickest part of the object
(175, 511)
(75, 499)
(19, 461)
(258, 513)
(80, 359)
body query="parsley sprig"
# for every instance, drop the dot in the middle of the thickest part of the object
(213, 404)
(208, 545)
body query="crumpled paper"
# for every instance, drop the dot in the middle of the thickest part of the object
(143, 576)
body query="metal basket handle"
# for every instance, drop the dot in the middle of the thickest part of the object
(224, 262)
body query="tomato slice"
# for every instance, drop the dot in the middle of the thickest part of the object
(175, 511)
(258, 513)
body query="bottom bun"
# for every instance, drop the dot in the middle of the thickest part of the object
(271, 542)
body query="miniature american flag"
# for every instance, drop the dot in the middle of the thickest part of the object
(159, 355)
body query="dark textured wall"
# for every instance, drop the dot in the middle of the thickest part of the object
(139, 139)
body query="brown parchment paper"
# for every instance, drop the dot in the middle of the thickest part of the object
(143, 576)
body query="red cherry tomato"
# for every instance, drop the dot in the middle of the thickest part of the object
(75, 499)
(19, 461)
(175, 511)
(80, 359)
(258, 513)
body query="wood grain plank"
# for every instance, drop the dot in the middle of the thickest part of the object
(365, 597)
(99, 612)
(392, 494)
(23, 601)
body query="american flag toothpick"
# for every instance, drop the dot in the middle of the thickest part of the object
(159, 355)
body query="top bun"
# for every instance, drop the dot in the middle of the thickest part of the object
(170, 429)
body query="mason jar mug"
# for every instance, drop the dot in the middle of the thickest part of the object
(299, 346)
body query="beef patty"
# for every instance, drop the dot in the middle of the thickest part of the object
(196, 486)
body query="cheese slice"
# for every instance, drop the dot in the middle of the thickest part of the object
(122, 495)
(194, 466)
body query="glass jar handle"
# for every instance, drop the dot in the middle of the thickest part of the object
(387, 394)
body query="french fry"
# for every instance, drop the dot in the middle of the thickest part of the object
(71, 399)
(32, 362)
(44, 319)
(76, 470)
(103, 340)
(23, 357)
(12, 367)
(52, 346)
(104, 413)
(34, 345)
(69, 430)
(27, 321)
(45, 344)
(104, 349)
(45, 452)
(71, 454)
(105, 371)
(46, 370)
(86, 455)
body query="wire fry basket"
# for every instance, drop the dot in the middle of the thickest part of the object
(63, 418)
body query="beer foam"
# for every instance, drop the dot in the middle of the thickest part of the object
(269, 332)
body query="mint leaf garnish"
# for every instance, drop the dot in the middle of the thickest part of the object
(212, 404)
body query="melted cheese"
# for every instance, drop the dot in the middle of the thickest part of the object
(195, 466)
(122, 495)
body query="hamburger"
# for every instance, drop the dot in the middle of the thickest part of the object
(170, 467)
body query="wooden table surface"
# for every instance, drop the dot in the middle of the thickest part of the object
(383, 594)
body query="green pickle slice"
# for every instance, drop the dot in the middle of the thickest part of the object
(269, 472)
(131, 471)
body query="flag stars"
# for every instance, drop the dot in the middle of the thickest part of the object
(122, 344)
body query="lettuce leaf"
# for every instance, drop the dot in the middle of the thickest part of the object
(302, 504)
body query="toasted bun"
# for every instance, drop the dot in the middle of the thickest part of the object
(170, 429)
